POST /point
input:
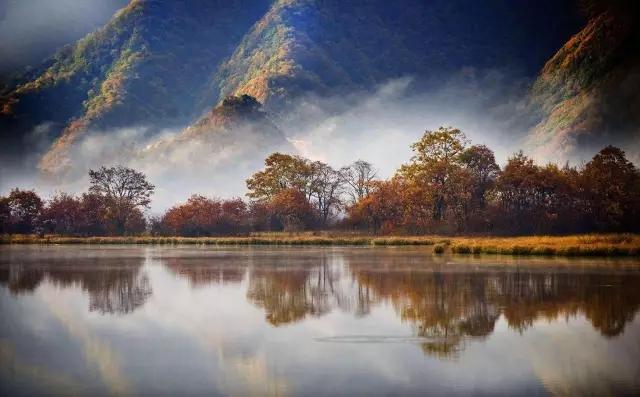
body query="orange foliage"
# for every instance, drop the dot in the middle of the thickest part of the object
(202, 216)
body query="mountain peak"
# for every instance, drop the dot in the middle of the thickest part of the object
(232, 111)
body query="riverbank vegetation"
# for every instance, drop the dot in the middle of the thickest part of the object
(577, 245)
(448, 188)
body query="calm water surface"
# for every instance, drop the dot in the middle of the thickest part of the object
(79, 320)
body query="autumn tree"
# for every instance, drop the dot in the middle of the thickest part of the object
(436, 169)
(63, 214)
(20, 211)
(5, 215)
(94, 215)
(282, 172)
(317, 182)
(562, 201)
(518, 192)
(291, 211)
(382, 210)
(612, 190)
(480, 161)
(202, 216)
(125, 191)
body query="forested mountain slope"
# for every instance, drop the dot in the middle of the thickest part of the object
(588, 93)
(162, 64)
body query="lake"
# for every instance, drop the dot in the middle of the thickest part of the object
(145, 320)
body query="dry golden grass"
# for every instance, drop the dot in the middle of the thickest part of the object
(578, 245)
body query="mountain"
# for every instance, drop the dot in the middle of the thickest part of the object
(329, 46)
(588, 93)
(219, 131)
(214, 154)
(145, 66)
(161, 64)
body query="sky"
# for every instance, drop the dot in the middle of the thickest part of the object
(31, 30)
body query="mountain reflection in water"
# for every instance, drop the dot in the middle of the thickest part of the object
(443, 304)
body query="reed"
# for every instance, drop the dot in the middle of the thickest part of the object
(439, 248)
(577, 245)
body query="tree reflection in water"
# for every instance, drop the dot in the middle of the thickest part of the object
(445, 304)
(114, 285)
(291, 293)
(446, 307)
(204, 271)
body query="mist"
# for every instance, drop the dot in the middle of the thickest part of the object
(380, 127)
(376, 125)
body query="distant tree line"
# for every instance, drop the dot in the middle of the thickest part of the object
(447, 187)
(450, 187)
(112, 206)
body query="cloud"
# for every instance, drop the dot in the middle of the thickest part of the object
(32, 30)
(379, 126)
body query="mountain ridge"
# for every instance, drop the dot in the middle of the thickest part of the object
(587, 93)
(138, 69)
(163, 64)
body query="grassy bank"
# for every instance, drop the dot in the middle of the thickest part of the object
(579, 245)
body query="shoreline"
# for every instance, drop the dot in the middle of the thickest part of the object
(603, 245)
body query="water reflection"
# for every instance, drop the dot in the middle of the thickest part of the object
(114, 286)
(444, 306)
(448, 307)
(443, 303)
(202, 272)
(261, 321)
(289, 295)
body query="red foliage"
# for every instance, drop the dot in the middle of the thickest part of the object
(202, 216)
(291, 211)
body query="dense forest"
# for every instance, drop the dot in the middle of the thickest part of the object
(448, 187)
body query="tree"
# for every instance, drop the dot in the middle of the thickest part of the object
(326, 189)
(5, 215)
(317, 182)
(21, 211)
(291, 211)
(437, 171)
(358, 176)
(383, 210)
(235, 216)
(94, 215)
(443, 145)
(481, 162)
(612, 189)
(282, 172)
(121, 184)
(518, 193)
(125, 191)
(202, 216)
(63, 214)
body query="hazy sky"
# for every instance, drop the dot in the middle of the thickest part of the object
(31, 30)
